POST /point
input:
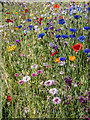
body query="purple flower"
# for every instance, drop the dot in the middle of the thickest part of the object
(58, 29)
(17, 41)
(55, 47)
(68, 81)
(81, 99)
(51, 27)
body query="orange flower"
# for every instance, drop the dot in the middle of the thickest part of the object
(15, 28)
(72, 58)
(60, 16)
(57, 60)
(56, 6)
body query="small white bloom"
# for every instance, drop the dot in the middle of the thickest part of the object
(53, 91)
(45, 64)
(53, 75)
(26, 78)
(36, 26)
(52, 3)
(34, 66)
(62, 63)
(61, 72)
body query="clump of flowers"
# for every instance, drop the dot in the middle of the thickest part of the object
(10, 48)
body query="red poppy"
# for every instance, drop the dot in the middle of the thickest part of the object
(21, 39)
(25, 10)
(7, 12)
(39, 22)
(56, 6)
(24, 34)
(42, 56)
(9, 98)
(52, 54)
(40, 19)
(77, 47)
(8, 20)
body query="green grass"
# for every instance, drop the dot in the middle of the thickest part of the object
(23, 95)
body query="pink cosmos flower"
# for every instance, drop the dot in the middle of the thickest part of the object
(33, 74)
(21, 82)
(22, 54)
(40, 71)
(56, 100)
(49, 83)
(15, 74)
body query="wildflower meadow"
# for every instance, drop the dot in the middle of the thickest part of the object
(45, 54)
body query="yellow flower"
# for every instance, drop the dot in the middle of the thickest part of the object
(6, 17)
(48, 17)
(57, 60)
(72, 58)
(31, 14)
(16, 12)
(10, 48)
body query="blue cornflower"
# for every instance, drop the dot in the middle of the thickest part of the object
(72, 36)
(88, 8)
(62, 59)
(64, 36)
(22, 10)
(89, 55)
(31, 26)
(20, 26)
(87, 50)
(87, 28)
(61, 21)
(57, 36)
(41, 35)
(29, 20)
(45, 28)
(73, 29)
(81, 38)
(77, 16)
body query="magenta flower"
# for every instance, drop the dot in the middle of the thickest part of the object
(22, 54)
(15, 74)
(40, 71)
(21, 82)
(33, 74)
(56, 100)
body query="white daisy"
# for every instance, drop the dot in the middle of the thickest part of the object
(26, 78)
(53, 91)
